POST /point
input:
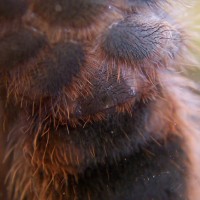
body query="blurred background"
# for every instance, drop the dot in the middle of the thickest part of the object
(194, 24)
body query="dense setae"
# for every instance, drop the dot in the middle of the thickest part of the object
(92, 102)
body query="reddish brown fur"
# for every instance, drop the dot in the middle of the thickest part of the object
(40, 160)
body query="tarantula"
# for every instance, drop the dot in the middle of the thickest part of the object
(93, 106)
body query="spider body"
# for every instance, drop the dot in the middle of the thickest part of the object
(90, 102)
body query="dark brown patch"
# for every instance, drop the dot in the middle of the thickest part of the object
(68, 13)
(18, 47)
(58, 69)
(12, 9)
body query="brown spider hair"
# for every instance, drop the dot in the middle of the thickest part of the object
(92, 103)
